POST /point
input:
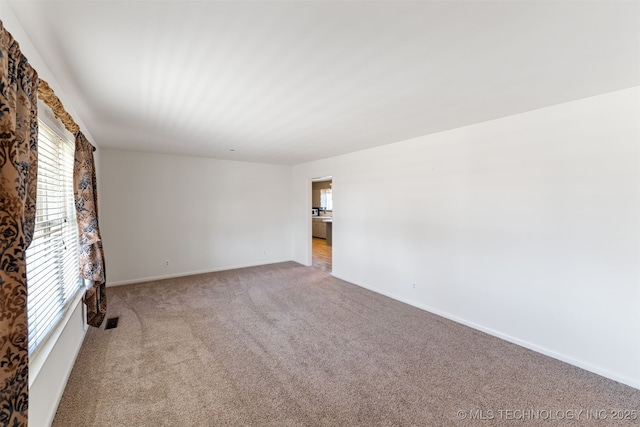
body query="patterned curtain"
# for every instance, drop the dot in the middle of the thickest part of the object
(18, 177)
(91, 253)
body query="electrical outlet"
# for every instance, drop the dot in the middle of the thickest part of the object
(413, 285)
(166, 263)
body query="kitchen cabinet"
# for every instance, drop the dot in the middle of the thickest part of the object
(315, 196)
(318, 228)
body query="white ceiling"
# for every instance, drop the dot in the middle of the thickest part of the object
(288, 82)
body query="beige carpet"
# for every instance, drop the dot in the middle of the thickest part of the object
(288, 345)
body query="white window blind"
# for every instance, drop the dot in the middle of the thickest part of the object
(52, 257)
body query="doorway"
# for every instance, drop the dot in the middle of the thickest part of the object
(322, 223)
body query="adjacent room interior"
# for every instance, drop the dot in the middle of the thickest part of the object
(322, 223)
(480, 253)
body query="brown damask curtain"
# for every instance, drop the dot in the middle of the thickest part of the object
(91, 253)
(18, 177)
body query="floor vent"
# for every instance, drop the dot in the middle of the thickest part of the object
(112, 323)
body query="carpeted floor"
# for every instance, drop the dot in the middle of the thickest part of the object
(288, 345)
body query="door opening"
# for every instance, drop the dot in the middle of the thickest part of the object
(322, 223)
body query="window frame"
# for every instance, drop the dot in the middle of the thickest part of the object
(64, 274)
(326, 198)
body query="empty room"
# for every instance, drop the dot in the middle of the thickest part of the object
(319, 213)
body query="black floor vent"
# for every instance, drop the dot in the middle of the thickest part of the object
(112, 323)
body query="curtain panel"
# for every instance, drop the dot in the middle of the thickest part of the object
(91, 252)
(18, 177)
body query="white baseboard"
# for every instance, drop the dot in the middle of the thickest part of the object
(191, 273)
(538, 349)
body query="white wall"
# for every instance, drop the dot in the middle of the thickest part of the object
(526, 227)
(201, 214)
(50, 368)
(53, 367)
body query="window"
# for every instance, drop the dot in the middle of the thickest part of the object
(326, 199)
(52, 257)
